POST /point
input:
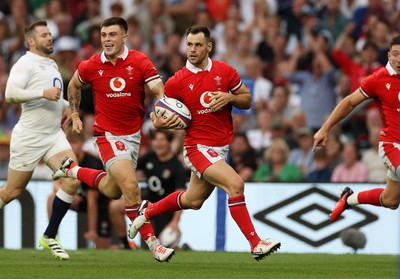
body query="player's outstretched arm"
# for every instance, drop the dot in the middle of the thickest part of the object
(342, 110)
(74, 99)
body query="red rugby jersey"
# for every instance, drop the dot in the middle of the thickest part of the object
(190, 85)
(118, 90)
(384, 87)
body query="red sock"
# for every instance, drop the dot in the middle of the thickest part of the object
(170, 203)
(372, 197)
(91, 177)
(147, 230)
(239, 213)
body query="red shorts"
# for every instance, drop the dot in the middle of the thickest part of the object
(390, 154)
(199, 157)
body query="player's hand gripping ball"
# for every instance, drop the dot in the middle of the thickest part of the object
(171, 105)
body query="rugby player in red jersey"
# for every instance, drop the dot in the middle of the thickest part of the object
(383, 86)
(209, 88)
(117, 76)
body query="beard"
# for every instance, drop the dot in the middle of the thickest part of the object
(45, 49)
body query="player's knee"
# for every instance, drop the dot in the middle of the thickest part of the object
(391, 203)
(195, 205)
(236, 187)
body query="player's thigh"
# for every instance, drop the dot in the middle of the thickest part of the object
(198, 191)
(225, 177)
(15, 185)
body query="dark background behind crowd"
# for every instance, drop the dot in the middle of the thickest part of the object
(298, 57)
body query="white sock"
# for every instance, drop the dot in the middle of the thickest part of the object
(353, 199)
(64, 196)
(151, 242)
(74, 172)
(2, 204)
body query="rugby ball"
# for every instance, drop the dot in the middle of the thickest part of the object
(171, 105)
(169, 237)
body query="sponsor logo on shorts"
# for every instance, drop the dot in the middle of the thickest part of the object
(119, 145)
(212, 153)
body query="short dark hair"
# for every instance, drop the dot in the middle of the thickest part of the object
(196, 29)
(29, 30)
(115, 21)
(394, 41)
(168, 134)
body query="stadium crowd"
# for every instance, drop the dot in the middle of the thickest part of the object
(298, 57)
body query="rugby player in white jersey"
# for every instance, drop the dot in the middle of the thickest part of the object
(36, 84)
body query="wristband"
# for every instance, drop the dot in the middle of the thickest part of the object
(75, 116)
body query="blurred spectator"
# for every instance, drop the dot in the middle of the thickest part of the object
(317, 88)
(343, 86)
(351, 169)
(257, 25)
(243, 158)
(357, 71)
(262, 86)
(54, 8)
(4, 154)
(91, 17)
(260, 137)
(218, 10)
(64, 24)
(348, 7)
(380, 35)
(93, 45)
(334, 147)
(332, 18)
(321, 172)
(265, 48)
(171, 57)
(184, 14)
(275, 167)
(155, 24)
(370, 157)
(279, 104)
(361, 14)
(303, 156)
(227, 43)
(66, 51)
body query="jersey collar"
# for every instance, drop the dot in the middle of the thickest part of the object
(195, 70)
(123, 55)
(390, 69)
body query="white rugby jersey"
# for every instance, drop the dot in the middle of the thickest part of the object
(29, 77)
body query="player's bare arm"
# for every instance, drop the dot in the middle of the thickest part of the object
(74, 99)
(157, 88)
(340, 112)
(241, 98)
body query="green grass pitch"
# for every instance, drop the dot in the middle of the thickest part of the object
(110, 264)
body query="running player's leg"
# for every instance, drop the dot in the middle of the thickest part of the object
(225, 177)
(15, 185)
(386, 197)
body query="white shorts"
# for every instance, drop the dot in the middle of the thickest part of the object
(113, 148)
(390, 154)
(199, 157)
(27, 149)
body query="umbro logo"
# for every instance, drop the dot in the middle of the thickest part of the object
(388, 86)
(191, 86)
(100, 72)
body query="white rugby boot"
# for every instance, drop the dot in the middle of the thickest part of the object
(54, 246)
(140, 219)
(64, 170)
(265, 248)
